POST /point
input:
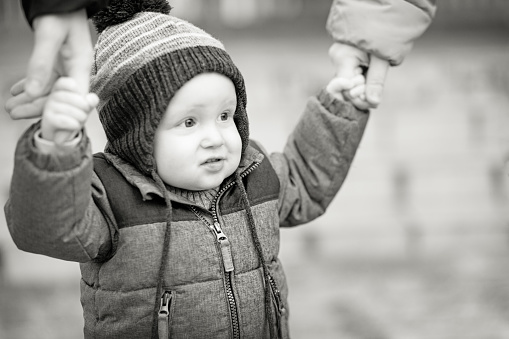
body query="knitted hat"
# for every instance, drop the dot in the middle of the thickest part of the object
(142, 57)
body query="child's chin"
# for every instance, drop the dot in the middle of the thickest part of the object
(201, 186)
(206, 187)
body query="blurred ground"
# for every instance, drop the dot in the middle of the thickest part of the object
(415, 246)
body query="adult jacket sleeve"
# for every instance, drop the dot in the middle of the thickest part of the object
(385, 28)
(57, 206)
(35, 8)
(317, 157)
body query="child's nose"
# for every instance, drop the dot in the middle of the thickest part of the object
(212, 137)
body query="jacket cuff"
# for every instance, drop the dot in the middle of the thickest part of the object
(58, 161)
(335, 106)
(386, 28)
(47, 146)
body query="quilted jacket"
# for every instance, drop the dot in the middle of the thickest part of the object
(101, 212)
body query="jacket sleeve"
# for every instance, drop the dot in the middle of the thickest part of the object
(317, 157)
(57, 207)
(35, 8)
(385, 28)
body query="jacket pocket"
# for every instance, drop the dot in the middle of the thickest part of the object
(280, 310)
(165, 314)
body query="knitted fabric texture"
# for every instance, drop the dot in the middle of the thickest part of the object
(201, 198)
(139, 65)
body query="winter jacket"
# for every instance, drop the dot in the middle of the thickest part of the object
(101, 212)
(385, 28)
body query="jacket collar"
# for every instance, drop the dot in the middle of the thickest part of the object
(148, 186)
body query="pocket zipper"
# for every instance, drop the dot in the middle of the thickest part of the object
(278, 304)
(164, 315)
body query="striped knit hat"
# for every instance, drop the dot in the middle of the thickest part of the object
(142, 57)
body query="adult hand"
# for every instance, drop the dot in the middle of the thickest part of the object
(351, 61)
(62, 47)
(375, 79)
(23, 106)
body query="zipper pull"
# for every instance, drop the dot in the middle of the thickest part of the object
(225, 246)
(163, 324)
(227, 255)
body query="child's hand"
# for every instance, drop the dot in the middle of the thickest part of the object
(352, 90)
(349, 61)
(66, 111)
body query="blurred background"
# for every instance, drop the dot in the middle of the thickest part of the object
(416, 244)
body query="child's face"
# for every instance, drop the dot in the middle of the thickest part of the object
(197, 144)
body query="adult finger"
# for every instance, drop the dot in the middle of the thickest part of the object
(29, 110)
(18, 87)
(77, 52)
(16, 101)
(49, 37)
(22, 102)
(375, 80)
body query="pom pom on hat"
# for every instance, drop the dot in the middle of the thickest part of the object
(119, 11)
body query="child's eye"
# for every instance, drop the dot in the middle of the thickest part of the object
(225, 116)
(189, 122)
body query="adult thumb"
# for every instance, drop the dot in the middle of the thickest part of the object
(375, 79)
(43, 59)
(77, 52)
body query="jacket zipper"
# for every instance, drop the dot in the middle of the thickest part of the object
(163, 325)
(225, 248)
(226, 254)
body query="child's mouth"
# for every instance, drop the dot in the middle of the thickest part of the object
(214, 164)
